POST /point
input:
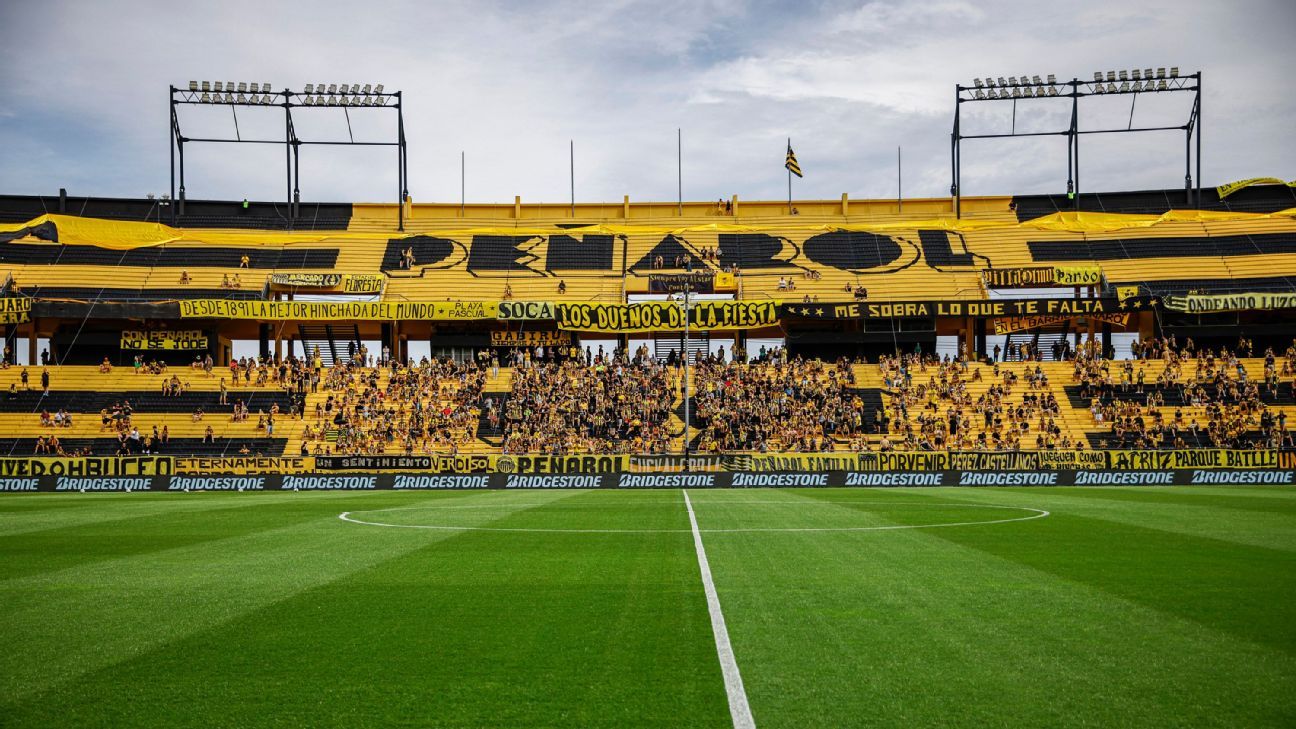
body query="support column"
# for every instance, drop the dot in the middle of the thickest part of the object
(32, 353)
(263, 340)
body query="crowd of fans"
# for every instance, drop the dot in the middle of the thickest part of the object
(568, 400)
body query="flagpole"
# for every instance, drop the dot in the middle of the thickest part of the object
(572, 172)
(679, 168)
(899, 186)
(789, 179)
(461, 183)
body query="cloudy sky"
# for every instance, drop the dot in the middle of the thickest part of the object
(510, 83)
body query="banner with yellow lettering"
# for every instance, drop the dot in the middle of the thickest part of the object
(332, 310)
(150, 341)
(536, 338)
(1041, 276)
(244, 465)
(666, 316)
(15, 310)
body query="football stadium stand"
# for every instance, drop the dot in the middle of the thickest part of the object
(878, 330)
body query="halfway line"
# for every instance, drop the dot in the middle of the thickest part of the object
(738, 707)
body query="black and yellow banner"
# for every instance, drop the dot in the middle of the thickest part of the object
(997, 308)
(526, 310)
(331, 310)
(188, 339)
(15, 310)
(666, 316)
(1021, 323)
(1229, 188)
(1211, 303)
(244, 465)
(1041, 276)
(86, 466)
(536, 338)
(351, 283)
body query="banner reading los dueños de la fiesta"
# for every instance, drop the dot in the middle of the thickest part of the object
(666, 316)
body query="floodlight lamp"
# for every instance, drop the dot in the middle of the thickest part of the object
(206, 86)
(242, 99)
(1052, 79)
(1098, 76)
(980, 94)
(242, 87)
(1002, 82)
(206, 98)
(366, 88)
(1012, 80)
(310, 88)
(1147, 74)
(382, 100)
(1161, 72)
(1111, 88)
(1036, 80)
(1052, 91)
(1174, 72)
(1136, 74)
(1124, 75)
(1111, 76)
(332, 100)
(193, 85)
(355, 88)
(977, 83)
(378, 89)
(218, 86)
(1124, 86)
(332, 88)
(229, 87)
(1161, 84)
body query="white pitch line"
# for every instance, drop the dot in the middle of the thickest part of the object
(738, 707)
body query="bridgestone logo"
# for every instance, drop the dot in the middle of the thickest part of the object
(326, 483)
(1124, 478)
(974, 478)
(441, 482)
(553, 482)
(677, 481)
(893, 479)
(216, 483)
(1241, 477)
(103, 484)
(780, 479)
(19, 484)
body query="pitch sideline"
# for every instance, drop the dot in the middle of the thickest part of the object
(738, 706)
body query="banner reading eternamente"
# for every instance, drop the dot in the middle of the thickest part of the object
(1229, 188)
(1041, 276)
(666, 316)
(330, 310)
(1209, 303)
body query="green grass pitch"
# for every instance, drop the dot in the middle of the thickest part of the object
(1122, 607)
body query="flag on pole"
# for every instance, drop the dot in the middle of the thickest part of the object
(791, 163)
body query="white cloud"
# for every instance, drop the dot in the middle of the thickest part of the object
(511, 83)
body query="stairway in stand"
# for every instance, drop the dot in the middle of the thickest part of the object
(332, 341)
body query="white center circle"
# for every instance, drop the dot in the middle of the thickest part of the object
(370, 520)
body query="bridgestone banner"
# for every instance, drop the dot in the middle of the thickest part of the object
(1211, 303)
(624, 480)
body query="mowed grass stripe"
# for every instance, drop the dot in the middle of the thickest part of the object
(907, 627)
(171, 522)
(1241, 589)
(28, 513)
(64, 624)
(1192, 514)
(466, 628)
